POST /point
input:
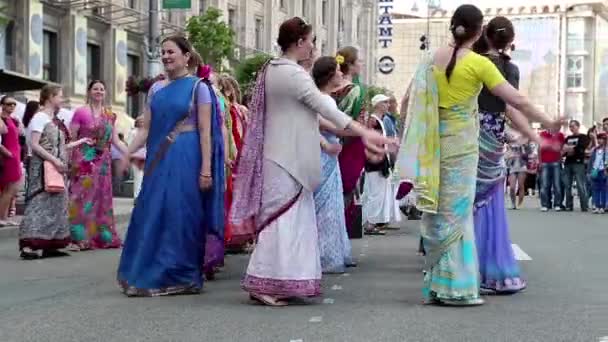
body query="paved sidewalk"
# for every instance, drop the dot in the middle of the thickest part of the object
(122, 214)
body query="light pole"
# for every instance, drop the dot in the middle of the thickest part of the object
(152, 42)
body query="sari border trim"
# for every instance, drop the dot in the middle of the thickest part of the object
(44, 244)
(132, 291)
(281, 287)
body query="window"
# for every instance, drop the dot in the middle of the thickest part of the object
(304, 7)
(358, 32)
(202, 6)
(232, 19)
(324, 48)
(282, 4)
(576, 68)
(93, 62)
(9, 45)
(132, 3)
(49, 56)
(324, 12)
(258, 34)
(133, 69)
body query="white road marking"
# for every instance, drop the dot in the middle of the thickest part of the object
(603, 339)
(298, 340)
(316, 319)
(336, 287)
(328, 301)
(519, 253)
(362, 254)
(346, 275)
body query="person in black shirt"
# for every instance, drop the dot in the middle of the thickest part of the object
(574, 166)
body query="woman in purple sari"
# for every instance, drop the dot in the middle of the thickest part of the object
(499, 270)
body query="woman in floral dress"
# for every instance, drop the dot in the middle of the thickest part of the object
(90, 210)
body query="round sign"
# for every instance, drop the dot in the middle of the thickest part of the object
(386, 65)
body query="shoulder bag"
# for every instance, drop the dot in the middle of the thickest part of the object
(53, 179)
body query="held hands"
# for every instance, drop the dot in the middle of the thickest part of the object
(123, 165)
(377, 143)
(332, 149)
(87, 141)
(59, 165)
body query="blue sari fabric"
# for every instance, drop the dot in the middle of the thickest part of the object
(164, 248)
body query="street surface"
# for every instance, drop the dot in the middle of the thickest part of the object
(75, 298)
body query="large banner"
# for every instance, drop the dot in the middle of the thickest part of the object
(536, 54)
(80, 55)
(35, 39)
(120, 66)
(601, 72)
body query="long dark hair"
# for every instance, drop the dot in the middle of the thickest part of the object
(31, 108)
(498, 34)
(465, 25)
(324, 70)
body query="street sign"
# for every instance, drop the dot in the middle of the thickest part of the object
(177, 4)
(386, 65)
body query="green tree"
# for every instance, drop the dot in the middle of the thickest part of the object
(211, 37)
(247, 70)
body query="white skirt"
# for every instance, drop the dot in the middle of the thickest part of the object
(286, 260)
(379, 202)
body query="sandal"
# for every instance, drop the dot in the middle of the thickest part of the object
(29, 254)
(374, 231)
(53, 253)
(267, 300)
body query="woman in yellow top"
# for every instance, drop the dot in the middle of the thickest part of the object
(440, 153)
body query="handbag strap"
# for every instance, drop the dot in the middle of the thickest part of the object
(170, 138)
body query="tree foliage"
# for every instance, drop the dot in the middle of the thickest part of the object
(247, 70)
(211, 37)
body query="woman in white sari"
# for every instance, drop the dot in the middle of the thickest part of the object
(278, 170)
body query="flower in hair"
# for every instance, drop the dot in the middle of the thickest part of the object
(204, 71)
(340, 59)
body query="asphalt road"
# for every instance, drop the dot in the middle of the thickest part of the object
(75, 298)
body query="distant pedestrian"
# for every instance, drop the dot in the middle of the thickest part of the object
(551, 170)
(598, 165)
(574, 166)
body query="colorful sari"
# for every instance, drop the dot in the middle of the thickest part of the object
(175, 227)
(334, 245)
(45, 223)
(439, 152)
(499, 270)
(352, 157)
(90, 210)
(236, 130)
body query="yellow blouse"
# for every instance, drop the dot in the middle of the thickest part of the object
(471, 72)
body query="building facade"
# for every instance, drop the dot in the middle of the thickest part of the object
(562, 53)
(73, 42)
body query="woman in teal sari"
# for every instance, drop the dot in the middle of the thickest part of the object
(440, 152)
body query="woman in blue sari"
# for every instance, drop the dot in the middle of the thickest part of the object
(179, 215)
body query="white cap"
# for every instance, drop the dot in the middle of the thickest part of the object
(378, 99)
